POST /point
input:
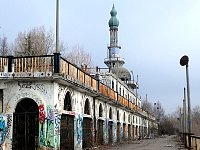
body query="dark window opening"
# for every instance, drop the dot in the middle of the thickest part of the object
(129, 118)
(100, 111)
(124, 117)
(87, 107)
(113, 85)
(118, 115)
(67, 102)
(1, 100)
(110, 113)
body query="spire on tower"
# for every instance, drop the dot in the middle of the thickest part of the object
(113, 22)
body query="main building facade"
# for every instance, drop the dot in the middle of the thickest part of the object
(48, 103)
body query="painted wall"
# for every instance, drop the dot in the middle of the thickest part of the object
(49, 97)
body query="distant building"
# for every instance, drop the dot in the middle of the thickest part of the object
(48, 103)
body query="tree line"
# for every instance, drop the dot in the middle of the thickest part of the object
(170, 123)
(39, 41)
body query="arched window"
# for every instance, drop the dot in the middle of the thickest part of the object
(110, 113)
(113, 85)
(133, 119)
(100, 110)
(67, 102)
(129, 118)
(87, 107)
(118, 115)
(124, 117)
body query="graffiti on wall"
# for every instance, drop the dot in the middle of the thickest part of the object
(53, 127)
(5, 127)
(50, 127)
(2, 129)
(121, 131)
(57, 130)
(105, 129)
(42, 114)
(114, 131)
(9, 123)
(32, 85)
(42, 134)
(79, 122)
(57, 124)
(51, 121)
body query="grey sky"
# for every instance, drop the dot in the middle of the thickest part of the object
(154, 35)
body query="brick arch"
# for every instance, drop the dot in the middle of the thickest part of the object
(62, 96)
(12, 103)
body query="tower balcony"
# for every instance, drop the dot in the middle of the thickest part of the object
(132, 84)
(114, 60)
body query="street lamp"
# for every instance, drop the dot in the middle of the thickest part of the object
(184, 62)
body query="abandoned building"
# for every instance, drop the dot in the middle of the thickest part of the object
(48, 102)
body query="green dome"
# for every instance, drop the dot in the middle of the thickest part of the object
(113, 22)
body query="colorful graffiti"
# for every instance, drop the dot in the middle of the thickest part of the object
(105, 130)
(79, 122)
(53, 127)
(2, 129)
(57, 122)
(50, 127)
(41, 114)
(51, 120)
(5, 127)
(42, 134)
(114, 132)
(9, 123)
(121, 131)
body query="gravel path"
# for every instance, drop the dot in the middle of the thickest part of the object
(163, 143)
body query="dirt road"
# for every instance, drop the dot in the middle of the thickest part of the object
(163, 143)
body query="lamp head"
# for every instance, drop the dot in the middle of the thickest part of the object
(184, 60)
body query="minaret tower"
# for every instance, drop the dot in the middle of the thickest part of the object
(113, 59)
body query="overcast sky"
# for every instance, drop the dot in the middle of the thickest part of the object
(154, 35)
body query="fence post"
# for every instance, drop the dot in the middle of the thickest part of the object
(10, 62)
(56, 62)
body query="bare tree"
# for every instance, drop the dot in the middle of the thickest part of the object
(158, 111)
(78, 56)
(166, 125)
(175, 118)
(196, 120)
(37, 41)
(4, 46)
(147, 106)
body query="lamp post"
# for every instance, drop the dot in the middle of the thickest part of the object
(184, 62)
(184, 113)
(57, 26)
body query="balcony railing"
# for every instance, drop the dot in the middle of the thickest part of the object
(28, 65)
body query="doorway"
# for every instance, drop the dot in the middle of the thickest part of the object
(26, 125)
